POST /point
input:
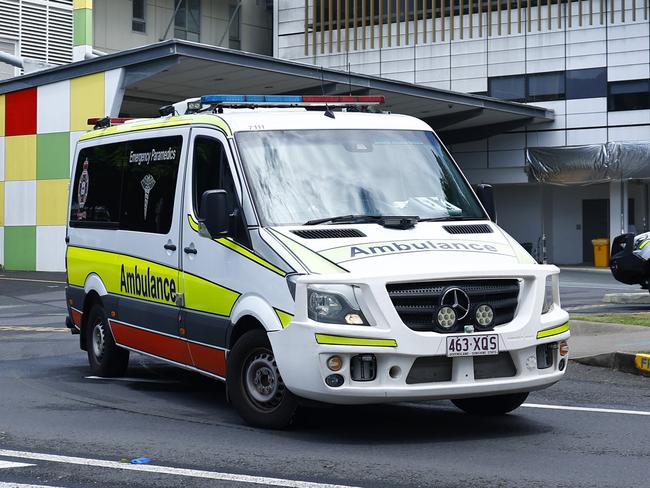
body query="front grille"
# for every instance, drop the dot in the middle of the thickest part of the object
(418, 303)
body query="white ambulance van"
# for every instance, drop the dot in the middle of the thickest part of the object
(304, 253)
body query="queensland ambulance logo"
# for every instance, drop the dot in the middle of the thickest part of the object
(84, 183)
(148, 182)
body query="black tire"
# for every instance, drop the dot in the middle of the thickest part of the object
(251, 362)
(105, 357)
(491, 405)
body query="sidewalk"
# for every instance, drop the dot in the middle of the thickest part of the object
(610, 345)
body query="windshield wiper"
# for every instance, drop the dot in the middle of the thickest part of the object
(450, 218)
(391, 221)
(345, 219)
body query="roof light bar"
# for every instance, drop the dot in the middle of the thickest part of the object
(290, 100)
(103, 122)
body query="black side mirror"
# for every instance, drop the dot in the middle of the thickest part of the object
(485, 194)
(214, 212)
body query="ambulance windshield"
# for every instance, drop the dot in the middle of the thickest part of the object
(303, 175)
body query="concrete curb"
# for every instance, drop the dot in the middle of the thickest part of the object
(620, 361)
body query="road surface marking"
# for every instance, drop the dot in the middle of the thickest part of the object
(20, 485)
(149, 468)
(28, 328)
(586, 409)
(133, 380)
(32, 280)
(10, 464)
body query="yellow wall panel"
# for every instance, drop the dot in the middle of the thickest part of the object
(51, 202)
(86, 100)
(77, 4)
(2, 115)
(20, 158)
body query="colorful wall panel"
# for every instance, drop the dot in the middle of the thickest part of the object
(39, 129)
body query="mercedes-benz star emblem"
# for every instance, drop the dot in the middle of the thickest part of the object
(457, 300)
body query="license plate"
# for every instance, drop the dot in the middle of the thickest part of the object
(472, 345)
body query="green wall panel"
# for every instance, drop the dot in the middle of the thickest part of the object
(53, 156)
(20, 248)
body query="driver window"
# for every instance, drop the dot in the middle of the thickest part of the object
(210, 171)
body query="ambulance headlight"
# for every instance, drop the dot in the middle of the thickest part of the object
(334, 304)
(551, 293)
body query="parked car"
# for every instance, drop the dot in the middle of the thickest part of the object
(630, 260)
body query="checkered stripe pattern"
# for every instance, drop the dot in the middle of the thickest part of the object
(39, 128)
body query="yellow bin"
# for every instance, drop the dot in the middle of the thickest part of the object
(601, 252)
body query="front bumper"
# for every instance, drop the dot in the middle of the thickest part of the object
(397, 349)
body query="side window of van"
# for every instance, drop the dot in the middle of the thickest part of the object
(210, 171)
(96, 187)
(127, 185)
(149, 184)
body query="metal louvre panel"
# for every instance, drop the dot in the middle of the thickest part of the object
(9, 18)
(328, 233)
(417, 303)
(43, 28)
(468, 229)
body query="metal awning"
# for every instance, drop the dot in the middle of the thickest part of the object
(170, 71)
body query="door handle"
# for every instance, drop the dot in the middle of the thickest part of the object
(170, 247)
(190, 250)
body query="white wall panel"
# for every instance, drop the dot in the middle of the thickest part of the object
(50, 248)
(577, 137)
(53, 107)
(628, 117)
(628, 134)
(20, 203)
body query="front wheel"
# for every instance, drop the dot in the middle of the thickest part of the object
(254, 383)
(105, 357)
(491, 405)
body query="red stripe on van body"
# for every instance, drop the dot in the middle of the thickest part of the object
(76, 317)
(208, 359)
(151, 342)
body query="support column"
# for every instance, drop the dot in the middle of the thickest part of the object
(83, 29)
(618, 209)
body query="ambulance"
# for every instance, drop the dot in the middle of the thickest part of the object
(304, 248)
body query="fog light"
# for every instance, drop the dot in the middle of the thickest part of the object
(334, 380)
(446, 317)
(335, 363)
(564, 348)
(484, 315)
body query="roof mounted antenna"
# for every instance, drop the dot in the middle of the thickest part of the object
(328, 112)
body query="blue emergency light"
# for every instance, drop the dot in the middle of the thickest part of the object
(289, 100)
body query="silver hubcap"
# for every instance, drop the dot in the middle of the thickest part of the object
(263, 382)
(99, 338)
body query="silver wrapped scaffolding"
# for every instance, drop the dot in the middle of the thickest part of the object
(589, 164)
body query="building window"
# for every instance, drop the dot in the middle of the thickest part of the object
(187, 22)
(138, 22)
(628, 95)
(233, 33)
(511, 88)
(545, 86)
(586, 83)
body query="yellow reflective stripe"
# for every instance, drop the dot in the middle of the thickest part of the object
(159, 124)
(285, 318)
(205, 296)
(200, 294)
(250, 255)
(559, 329)
(193, 223)
(233, 246)
(643, 244)
(354, 341)
(314, 261)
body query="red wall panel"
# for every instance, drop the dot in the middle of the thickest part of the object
(20, 107)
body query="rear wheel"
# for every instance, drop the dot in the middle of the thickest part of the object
(491, 405)
(254, 383)
(105, 357)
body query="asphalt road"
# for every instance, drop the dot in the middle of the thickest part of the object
(61, 428)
